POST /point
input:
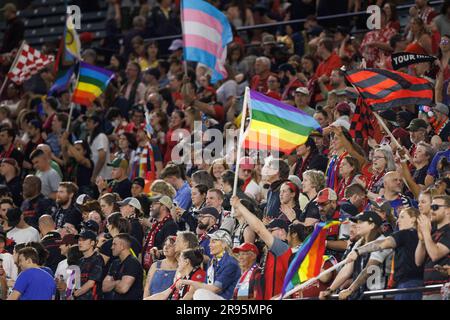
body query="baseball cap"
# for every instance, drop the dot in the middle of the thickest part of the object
(302, 90)
(68, 239)
(417, 124)
(130, 201)
(325, 195)
(369, 216)
(442, 108)
(344, 107)
(268, 39)
(210, 211)
(247, 163)
(222, 235)
(246, 247)
(119, 163)
(12, 162)
(91, 225)
(82, 199)
(87, 234)
(287, 67)
(176, 44)
(380, 204)
(348, 208)
(278, 223)
(166, 201)
(295, 180)
(139, 181)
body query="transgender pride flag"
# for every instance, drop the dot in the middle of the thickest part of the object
(206, 33)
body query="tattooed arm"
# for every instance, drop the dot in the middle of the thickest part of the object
(360, 280)
(377, 245)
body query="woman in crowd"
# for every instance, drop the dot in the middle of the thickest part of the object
(78, 163)
(151, 54)
(127, 145)
(404, 242)
(188, 219)
(189, 268)
(289, 208)
(162, 272)
(313, 182)
(215, 171)
(176, 122)
(421, 40)
(349, 174)
(108, 203)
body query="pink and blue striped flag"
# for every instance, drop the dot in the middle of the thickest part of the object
(206, 33)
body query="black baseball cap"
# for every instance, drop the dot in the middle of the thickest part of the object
(87, 234)
(91, 225)
(278, 223)
(210, 211)
(139, 181)
(369, 216)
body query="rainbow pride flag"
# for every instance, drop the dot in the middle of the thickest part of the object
(309, 258)
(92, 81)
(275, 125)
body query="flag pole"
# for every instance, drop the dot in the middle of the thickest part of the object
(11, 67)
(185, 67)
(310, 281)
(240, 140)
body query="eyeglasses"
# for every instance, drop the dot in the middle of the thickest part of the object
(377, 157)
(436, 207)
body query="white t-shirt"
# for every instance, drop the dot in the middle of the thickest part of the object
(29, 234)
(253, 190)
(101, 142)
(61, 270)
(50, 181)
(9, 266)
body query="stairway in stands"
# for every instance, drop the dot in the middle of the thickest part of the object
(45, 20)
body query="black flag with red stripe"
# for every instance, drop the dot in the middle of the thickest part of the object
(364, 125)
(385, 89)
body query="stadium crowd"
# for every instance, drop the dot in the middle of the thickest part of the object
(113, 211)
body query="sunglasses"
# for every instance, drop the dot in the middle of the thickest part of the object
(436, 207)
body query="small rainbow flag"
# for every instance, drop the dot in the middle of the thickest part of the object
(275, 125)
(309, 258)
(92, 81)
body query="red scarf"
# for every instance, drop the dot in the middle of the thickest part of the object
(7, 153)
(147, 259)
(343, 184)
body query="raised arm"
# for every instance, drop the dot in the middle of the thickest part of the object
(253, 221)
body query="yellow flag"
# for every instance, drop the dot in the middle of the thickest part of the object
(72, 41)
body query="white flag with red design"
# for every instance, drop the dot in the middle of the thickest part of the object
(28, 62)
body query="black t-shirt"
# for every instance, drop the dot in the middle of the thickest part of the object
(92, 269)
(169, 228)
(34, 208)
(311, 211)
(70, 215)
(15, 187)
(432, 276)
(445, 133)
(106, 247)
(404, 259)
(129, 267)
(136, 230)
(419, 175)
(84, 174)
(123, 188)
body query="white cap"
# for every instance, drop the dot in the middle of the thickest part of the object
(176, 44)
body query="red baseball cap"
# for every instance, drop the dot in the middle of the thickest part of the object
(325, 195)
(247, 163)
(246, 247)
